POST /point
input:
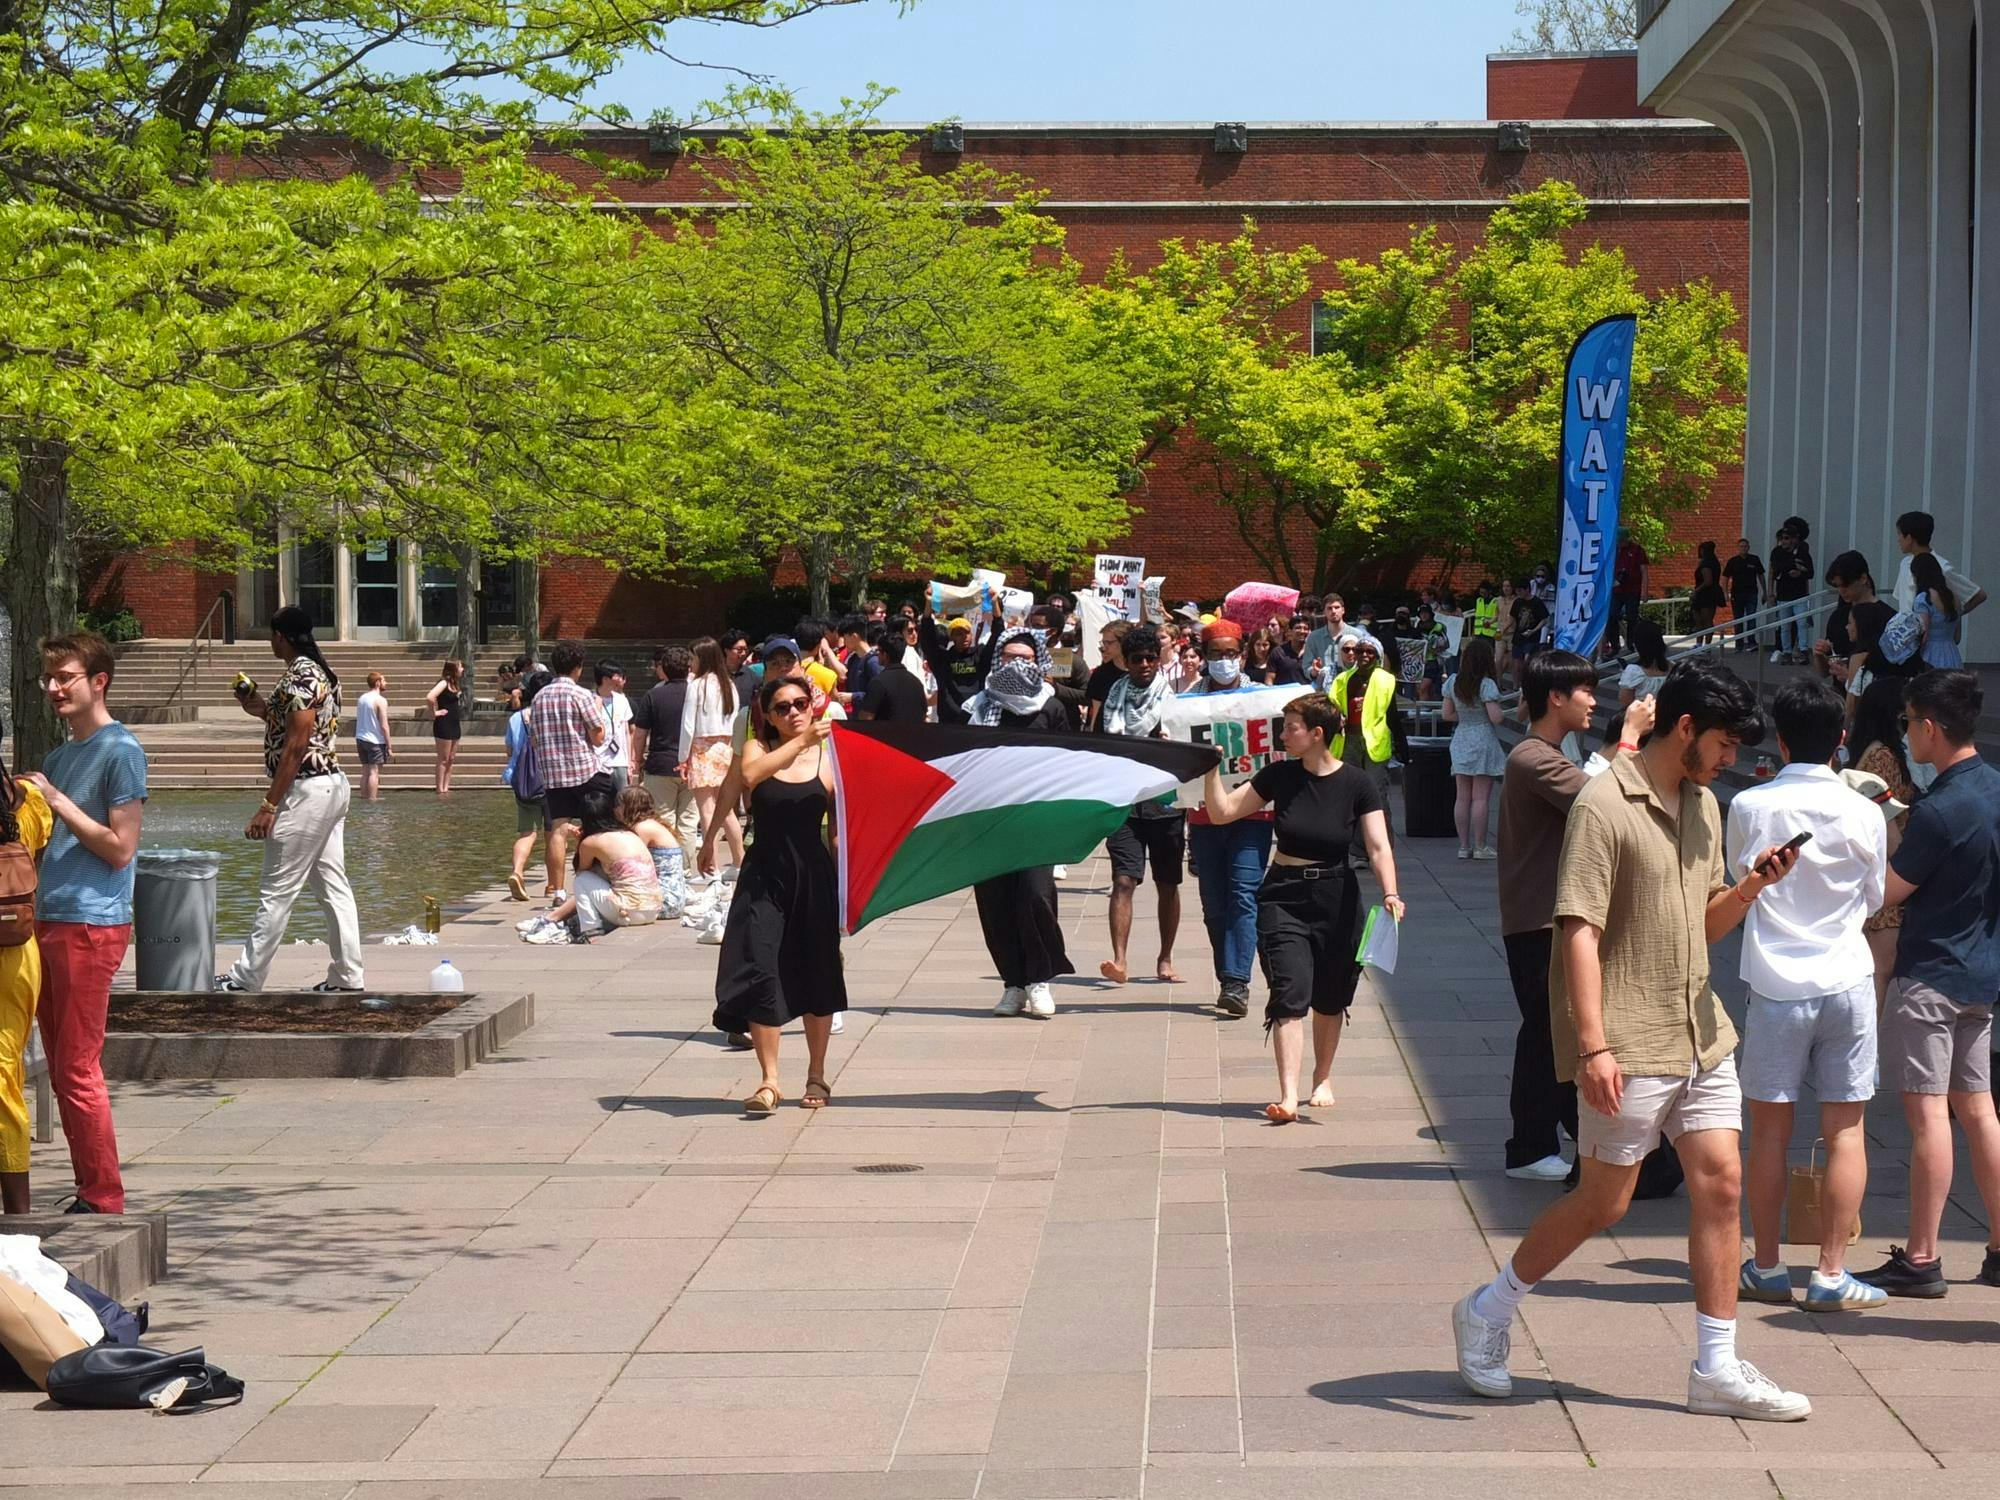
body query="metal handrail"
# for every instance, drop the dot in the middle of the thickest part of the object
(202, 643)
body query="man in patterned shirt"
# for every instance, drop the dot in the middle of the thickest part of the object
(302, 820)
(566, 727)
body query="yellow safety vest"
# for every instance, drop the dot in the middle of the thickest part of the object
(1486, 618)
(1376, 699)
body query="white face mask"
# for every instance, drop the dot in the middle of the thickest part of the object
(1226, 669)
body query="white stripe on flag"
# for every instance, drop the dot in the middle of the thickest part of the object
(1013, 775)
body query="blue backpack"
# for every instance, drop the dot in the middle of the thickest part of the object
(527, 778)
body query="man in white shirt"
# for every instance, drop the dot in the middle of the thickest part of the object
(1913, 535)
(614, 756)
(1323, 645)
(1812, 991)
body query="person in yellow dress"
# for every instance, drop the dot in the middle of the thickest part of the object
(24, 819)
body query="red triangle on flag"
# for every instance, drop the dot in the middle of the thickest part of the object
(900, 790)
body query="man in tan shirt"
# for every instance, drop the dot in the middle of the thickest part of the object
(1641, 891)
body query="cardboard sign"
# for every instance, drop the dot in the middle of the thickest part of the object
(1119, 582)
(1246, 726)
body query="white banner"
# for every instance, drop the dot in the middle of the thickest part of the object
(1245, 726)
(1093, 613)
(1119, 580)
(1454, 631)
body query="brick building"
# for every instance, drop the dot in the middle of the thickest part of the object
(1672, 193)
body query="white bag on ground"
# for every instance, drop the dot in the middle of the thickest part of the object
(22, 1261)
(1378, 940)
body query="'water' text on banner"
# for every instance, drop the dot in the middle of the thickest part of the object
(1597, 390)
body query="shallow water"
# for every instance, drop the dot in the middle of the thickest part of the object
(407, 846)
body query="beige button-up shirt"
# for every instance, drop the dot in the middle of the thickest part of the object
(1643, 876)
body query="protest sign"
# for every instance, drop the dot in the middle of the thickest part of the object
(1246, 727)
(1119, 580)
(1255, 605)
(1093, 613)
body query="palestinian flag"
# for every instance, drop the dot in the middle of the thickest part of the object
(925, 809)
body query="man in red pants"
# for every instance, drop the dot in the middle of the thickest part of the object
(95, 784)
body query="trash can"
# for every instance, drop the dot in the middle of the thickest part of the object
(1428, 790)
(173, 919)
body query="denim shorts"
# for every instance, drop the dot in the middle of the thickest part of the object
(1827, 1041)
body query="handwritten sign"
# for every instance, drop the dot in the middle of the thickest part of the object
(1120, 581)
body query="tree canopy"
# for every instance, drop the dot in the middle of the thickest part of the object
(1575, 25)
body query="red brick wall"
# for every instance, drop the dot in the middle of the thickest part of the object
(170, 597)
(1580, 87)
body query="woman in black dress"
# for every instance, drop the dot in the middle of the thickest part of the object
(781, 946)
(1017, 912)
(1309, 907)
(445, 700)
(1707, 596)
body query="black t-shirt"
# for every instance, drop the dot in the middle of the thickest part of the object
(863, 667)
(895, 695)
(1791, 572)
(1744, 574)
(1316, 815)
(1101, 677)
(1529, 613)
(1858, 627)
(659, 714)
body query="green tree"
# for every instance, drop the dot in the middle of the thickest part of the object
(156, 322)
(1575, 25)
(1427, 419)
(889, 368)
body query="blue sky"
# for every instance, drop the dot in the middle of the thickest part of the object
(1109, 59)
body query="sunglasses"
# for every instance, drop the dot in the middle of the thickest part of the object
(790, 705)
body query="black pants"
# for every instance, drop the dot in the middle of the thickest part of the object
(1538, 1103)
(1017, 914)
(1624, 620)
(1308, 925)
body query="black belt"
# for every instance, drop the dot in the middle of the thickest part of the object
(1311, 872)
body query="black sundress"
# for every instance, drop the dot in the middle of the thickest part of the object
(781, 946)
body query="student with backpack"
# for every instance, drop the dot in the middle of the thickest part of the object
(25, 826)
(531, 809)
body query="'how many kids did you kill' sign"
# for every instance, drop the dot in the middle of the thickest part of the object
(1120, 584)
(1597, 390)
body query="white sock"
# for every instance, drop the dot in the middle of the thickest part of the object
(1501, 1296)
(1715, 1343)
(1821, 1279)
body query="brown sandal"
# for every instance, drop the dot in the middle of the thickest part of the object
(763, 1101)
(817, 1094)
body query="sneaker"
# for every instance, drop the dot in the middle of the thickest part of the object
(1777, 657)
(1755, 1285)
(548, 932)
(328, 987)
(1899, 1276)
(1463, 852)
(1845, 1295)
(228, 985)
(1482, 852)
(1234, 999)
(78, 1206)
(1483, 1348)
(1041, 1001)
(557, 897)
(529, 924)
(710, 935)
(1742, 1390)
(1989, 1269)
(1551, 1168)
(1011, 1000)
(739, 1041)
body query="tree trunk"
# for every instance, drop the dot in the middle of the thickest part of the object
(819, 575)
(466, 646)
(40, 580)
(864, 568)
(531, 606)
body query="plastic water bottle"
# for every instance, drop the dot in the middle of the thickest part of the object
(445, 980)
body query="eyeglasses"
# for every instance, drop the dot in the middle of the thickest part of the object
(791, 706)
(1902, 723)
(62, 680)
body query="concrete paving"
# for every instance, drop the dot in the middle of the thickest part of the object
(577, 1272)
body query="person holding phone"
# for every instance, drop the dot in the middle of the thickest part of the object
(1642, 889)
(1811, 977)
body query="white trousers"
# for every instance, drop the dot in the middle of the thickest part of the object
(307, 848)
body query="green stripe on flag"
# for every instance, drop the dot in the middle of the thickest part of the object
(953, 853)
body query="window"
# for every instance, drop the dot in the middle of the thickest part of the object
(1325, 323)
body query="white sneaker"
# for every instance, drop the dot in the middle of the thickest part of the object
(1062, 872)
(1742, 1390)
(1777, 656)
(1041, 1001)
(548, 932)
(529, 924)
(711, 933)
(1551, 1168)
(728, 875)
(1482, 852)
(1011, 1000)
(839, 1023)
(1483, 1348)
(1464, 853)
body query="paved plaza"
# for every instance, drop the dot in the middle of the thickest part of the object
(1013, 1261)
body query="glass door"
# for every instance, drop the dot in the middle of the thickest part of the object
(315, 575)
(378, 592)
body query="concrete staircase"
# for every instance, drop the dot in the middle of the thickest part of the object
(210, 742)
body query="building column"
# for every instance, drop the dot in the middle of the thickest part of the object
(1950, 336)
(409, 591)
(343, 592)
(288, 565)
(1981, 636)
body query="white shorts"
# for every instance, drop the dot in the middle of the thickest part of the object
(1828, 1041)
(1653, 1106)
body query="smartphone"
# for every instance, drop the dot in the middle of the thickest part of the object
(1796, 841)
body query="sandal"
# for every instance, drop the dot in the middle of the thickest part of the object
(763, 1101)
(1277, 1114)
(817, 1094)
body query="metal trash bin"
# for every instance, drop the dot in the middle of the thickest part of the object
(173, 919)
(1428, 790)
